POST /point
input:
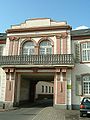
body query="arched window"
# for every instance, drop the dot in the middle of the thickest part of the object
(45, 47)
(28, 48)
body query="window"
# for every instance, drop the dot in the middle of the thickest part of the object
(49, 89)
(45, 47)
(1, 50)
(42, 89)
(46, 89)
(85, 48)
(28, 48)
(52, 89)
(86, 85)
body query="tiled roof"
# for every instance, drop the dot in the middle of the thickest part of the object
(3, 36)
(82, 32)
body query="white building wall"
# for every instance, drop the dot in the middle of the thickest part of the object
(42, 83)
(79, 69)
(2, 85)
(6, 48)
(69, 44)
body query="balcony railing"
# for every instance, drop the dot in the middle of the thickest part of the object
(53, 59)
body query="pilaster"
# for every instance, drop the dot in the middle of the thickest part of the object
(60, 88)
(10, 84)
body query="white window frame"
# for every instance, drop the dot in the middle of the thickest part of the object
(85, 49)
(45, 49)
(28, 50)
(86, 79)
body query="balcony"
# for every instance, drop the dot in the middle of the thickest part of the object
(53, 60)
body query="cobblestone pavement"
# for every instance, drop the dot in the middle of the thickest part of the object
(50, 113)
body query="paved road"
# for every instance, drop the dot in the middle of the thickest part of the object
(74, 115)
(40, 111)
(47, 113)
(20, 114)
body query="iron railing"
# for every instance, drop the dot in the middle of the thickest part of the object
(53, 59)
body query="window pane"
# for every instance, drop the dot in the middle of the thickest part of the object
(49, 89)
(85, 51)
(85, 88)
(88, 45)
(42, 88)
(28, 48)
(84, 56)
(49, 51)
(46, 89)
(42, 50)
(86, 84)
(84, 45)
(45, 47)
(88, 54)
(1, 50)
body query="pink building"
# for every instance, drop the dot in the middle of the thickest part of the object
(38, 50)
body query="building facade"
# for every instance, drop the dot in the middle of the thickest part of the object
(45, 50)
(81, 70)
(2, 72)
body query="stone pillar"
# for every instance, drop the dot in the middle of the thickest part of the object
(10, 84)
(13, 46)
(36, 50)
(17, 90)
(59, 90)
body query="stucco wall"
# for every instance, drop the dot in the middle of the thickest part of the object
(42, 83)
(2, 85)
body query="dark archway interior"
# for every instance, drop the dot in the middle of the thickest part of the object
(28, 86)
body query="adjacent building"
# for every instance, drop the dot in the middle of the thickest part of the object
(46, 53)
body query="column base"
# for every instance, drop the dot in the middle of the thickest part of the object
(60, 106)
(8, 105)
(69, 107)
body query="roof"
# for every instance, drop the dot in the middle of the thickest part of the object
(3, 36)
(82, 32)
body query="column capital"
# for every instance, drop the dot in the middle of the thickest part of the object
(64, 35)
(13, 38)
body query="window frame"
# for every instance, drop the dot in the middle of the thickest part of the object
(45, 49)
(85, 51)
(30, 50)
(88, 85)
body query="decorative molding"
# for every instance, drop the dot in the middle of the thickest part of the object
(13, 38)
(64, 35)
(33, 29)
(64, 70)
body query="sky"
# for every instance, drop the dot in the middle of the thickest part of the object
(75, 12)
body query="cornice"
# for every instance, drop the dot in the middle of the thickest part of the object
(58, 35)
(80, 37)
(33, 29)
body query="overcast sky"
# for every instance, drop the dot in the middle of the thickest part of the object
(75, 12)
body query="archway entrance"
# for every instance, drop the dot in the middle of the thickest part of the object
(36, 89)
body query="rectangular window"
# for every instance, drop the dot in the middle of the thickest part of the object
(86, 85)
(46, 89)
(49, 89)
(42, 89)
(1, 50)
(85, 48)
(52, 89)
